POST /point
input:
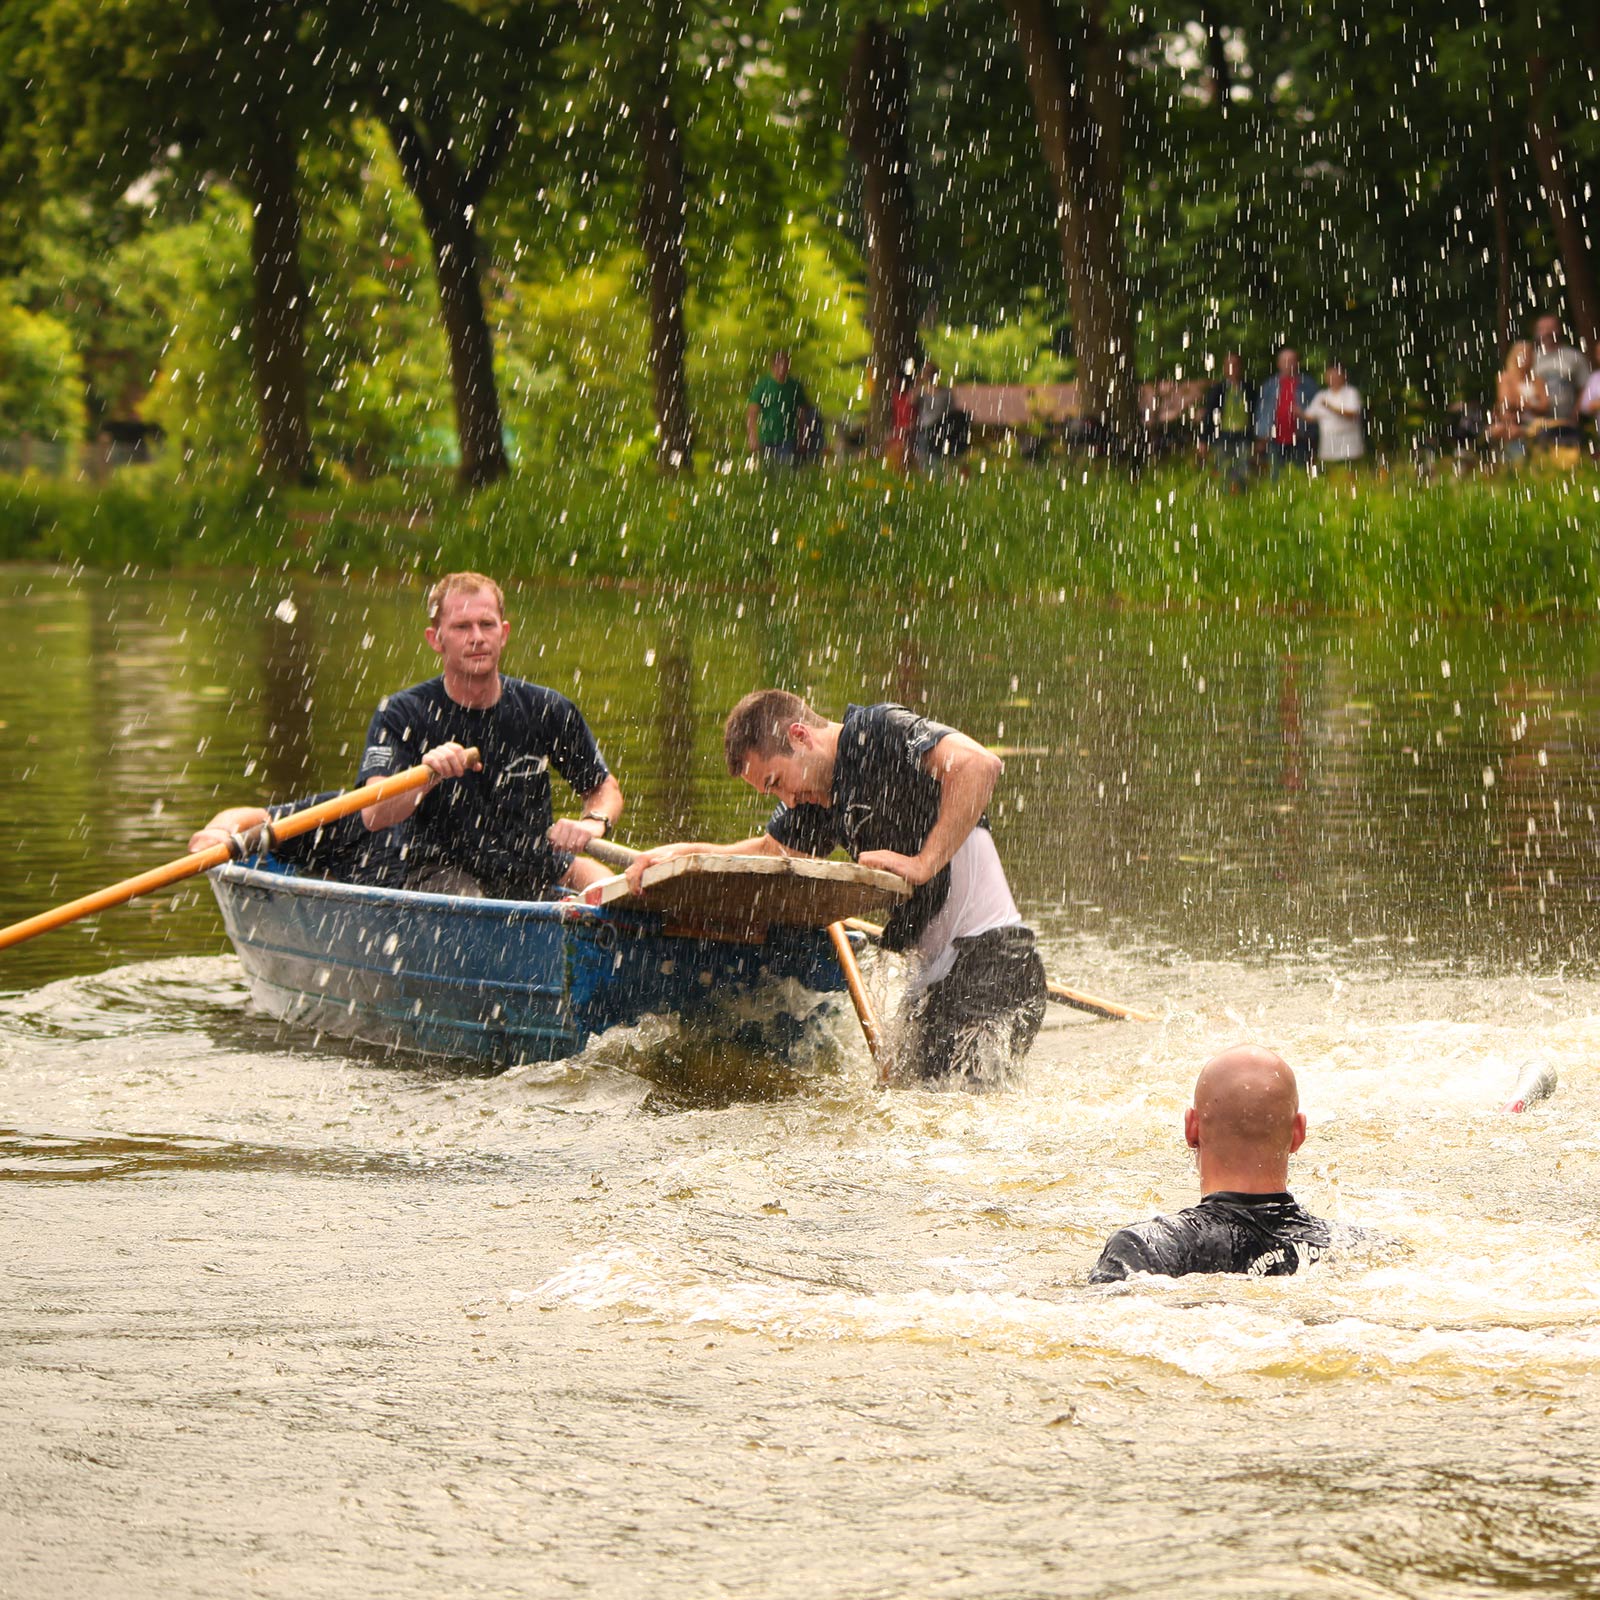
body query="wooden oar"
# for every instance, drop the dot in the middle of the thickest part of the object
(859, 997)
(289, 827)
(1058, 992)
(611, 854)
(621, 857)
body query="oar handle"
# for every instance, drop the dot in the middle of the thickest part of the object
(611, 854)
(289, 827)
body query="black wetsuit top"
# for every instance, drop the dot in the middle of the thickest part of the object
(882, 800)
(492, 823)
(1266, 1235)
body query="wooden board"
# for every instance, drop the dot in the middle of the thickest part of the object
(742, 896)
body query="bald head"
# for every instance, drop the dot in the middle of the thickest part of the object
(1246, 1121)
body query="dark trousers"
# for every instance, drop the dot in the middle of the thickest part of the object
(979, 1020)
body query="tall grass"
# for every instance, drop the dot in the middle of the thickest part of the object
(1518, 545)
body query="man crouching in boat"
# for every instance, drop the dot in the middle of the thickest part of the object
(490, 832)
(905, 795)
(1244, 1125)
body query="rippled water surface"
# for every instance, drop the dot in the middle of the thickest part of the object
(283, 1319)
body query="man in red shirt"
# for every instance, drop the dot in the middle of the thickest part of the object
(1281, 428)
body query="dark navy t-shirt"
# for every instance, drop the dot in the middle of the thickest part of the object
(1266, 1235)
(343, 849)
(882, 800)
(490, 823)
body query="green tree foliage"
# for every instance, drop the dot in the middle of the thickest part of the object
(1398, 188)
(41, 377)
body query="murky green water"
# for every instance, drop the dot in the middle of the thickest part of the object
(278, 1319)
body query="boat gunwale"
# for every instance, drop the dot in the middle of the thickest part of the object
(561, 912)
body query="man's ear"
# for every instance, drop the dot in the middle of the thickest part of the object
(1297, 1132)
(798, 734)
(432, 636)
(1191, 1128)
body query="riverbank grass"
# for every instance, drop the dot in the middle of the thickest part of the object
(1367, 544)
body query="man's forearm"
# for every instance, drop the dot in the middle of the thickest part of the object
(395, 810)
(761, 844)
(966, 786)
(604, 801)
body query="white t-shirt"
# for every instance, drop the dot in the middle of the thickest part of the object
(1564, 374)
(979, 900)
(1589, 400)
(1337, 414)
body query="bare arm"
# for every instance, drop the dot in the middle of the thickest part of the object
(443, 761)
(966, 773)
(762, 844)
(752, 418)
(604, 800)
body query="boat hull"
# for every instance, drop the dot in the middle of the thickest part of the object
(494, 981)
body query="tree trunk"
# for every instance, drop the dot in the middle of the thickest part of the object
(278, 304)
(1075, 78)
(1219, 74)
(1583, 302)
(663, 205)
(877, 111)
(1502, 237)
(448, 197)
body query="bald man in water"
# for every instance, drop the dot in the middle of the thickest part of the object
(1244, 1125)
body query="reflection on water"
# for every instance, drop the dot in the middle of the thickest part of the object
(675, 1318)
(1224, 783)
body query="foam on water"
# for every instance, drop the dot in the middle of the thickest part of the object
(1150, 1321)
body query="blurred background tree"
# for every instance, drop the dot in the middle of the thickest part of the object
(472, 233)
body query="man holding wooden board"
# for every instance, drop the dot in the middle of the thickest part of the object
(907, 795)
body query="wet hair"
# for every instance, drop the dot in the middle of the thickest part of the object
(462, 583)
(759, 726)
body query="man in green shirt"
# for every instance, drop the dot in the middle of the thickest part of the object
(773, 417)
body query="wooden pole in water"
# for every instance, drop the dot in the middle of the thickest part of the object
(859, 997)
(289, 827)
(1058, 992)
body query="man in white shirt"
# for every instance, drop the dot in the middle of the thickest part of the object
(1589, 400)
(1336, 410)
(1565, 376)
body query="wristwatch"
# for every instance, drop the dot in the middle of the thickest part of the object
(605, 822)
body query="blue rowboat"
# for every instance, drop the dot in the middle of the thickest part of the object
(497, 981)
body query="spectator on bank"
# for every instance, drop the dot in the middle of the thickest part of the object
(935, 402)
(1336, 410)
(1520, 403)
(1564, 374)
(902, 421)
(778, 414)
(1226, 422)
(1589, 400)
(1282, 431)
